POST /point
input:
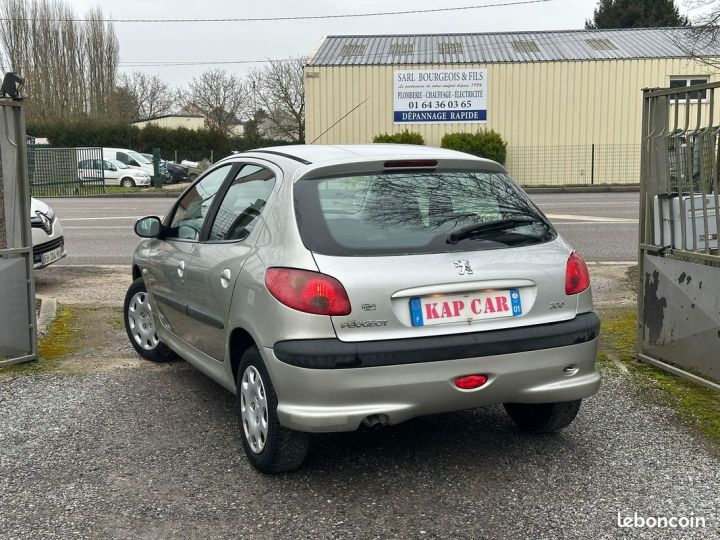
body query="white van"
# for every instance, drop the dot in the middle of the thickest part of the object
(130, 158)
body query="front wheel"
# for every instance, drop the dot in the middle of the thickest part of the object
(140, 326)
(127, 182)
(543, 417)
(270, 447)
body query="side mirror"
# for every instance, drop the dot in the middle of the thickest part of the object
(148, 227)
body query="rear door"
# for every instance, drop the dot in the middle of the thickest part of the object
(386, 238)
(218, 259)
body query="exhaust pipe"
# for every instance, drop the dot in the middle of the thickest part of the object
(376, 421)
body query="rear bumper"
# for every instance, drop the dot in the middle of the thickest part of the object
(336, 354)
(322, 400)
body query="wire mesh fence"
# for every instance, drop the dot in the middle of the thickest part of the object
(582, 165)
(65, 171)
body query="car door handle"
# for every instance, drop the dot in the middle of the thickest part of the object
(225, 278)
(181, 269)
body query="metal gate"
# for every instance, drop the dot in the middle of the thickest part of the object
(679, 261)
(17, 286)
(68, 172)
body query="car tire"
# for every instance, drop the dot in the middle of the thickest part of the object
(127, 182)
(269, 446)
(140, 326)
(543, 417)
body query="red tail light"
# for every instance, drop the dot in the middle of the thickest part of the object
(577, 277)
(310, 292)
(470, 382)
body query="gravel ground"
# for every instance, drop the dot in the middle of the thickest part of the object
(106, 446)
(153, 452)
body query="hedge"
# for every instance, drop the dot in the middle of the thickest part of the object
(405, 137)
(487, 144)
(190, 144)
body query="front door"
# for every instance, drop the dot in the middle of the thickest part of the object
(217, 261)
(171, 254)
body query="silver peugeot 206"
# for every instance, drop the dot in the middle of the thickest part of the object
(335, 286)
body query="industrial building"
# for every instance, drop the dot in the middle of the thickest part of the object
(568, 103)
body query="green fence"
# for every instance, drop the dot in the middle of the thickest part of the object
(64, 171)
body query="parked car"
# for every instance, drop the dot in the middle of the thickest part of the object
(114, 172)
(195, 168)
(177, 173)
(164, 173)
(47, 234)
(335, 286)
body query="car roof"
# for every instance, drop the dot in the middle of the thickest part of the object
(321, 153)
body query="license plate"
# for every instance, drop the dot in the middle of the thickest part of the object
(468, 307)
(51, 256)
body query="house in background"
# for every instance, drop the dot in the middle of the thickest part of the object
(182, 120)
(172, 121)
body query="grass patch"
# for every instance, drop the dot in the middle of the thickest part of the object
(117, 323)
(62, 336)
(694, 403)
(61, 339)
(136, 189)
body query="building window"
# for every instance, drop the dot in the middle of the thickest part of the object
(400, 49)
(450, 47)
(601, 44)
(525, 46)
(352, 49)
(677, 82)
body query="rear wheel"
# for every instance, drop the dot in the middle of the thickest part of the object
(543, 417)
(127, 182)
(270, 447)
(140, 326)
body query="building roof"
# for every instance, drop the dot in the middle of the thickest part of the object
(549, 46)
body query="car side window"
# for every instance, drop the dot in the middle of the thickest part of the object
(243, 203)
(122, 157)
(190, 212)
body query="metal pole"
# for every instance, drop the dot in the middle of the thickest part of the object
(592, 164)
(645, 143)
(157, 181)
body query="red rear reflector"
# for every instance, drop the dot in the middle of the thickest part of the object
(410, 163)
(470, 382)
(309, 292)
(577, 277)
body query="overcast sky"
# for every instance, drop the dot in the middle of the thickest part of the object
(262, 40)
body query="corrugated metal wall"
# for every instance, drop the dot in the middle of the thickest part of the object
(542, 104)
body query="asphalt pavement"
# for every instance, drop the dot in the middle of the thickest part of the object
(602, 226)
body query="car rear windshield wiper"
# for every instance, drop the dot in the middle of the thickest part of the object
(489, 226)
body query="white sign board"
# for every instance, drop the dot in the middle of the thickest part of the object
(440, 96)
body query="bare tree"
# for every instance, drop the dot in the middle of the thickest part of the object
(102, 52)
(222, 98)
(152, 95)
(278, 89)
(69, 66)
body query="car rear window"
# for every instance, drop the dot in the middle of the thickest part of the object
(415, 212)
